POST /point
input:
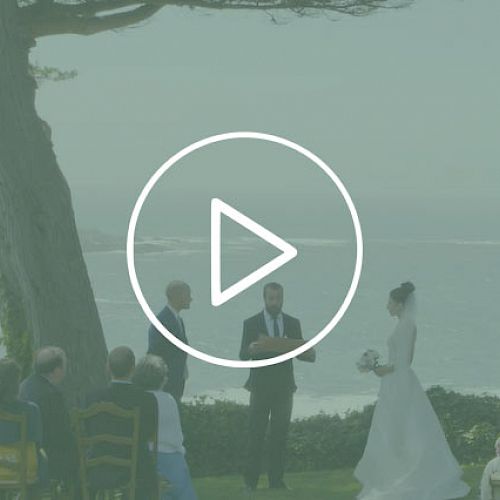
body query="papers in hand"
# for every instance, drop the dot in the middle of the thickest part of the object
(276, 345)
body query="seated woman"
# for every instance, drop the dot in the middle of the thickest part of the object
(10, 375)
(151, 375)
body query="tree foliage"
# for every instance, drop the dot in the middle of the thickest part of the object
(43, 73)
(15, 334)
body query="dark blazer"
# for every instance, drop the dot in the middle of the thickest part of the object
(275, 377)
(58, 439)
(174, 357)
(125, 395)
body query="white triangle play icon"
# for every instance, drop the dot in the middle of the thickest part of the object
(288, 252)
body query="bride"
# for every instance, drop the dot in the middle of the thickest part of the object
(406, 455)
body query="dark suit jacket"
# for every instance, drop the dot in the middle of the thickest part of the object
(174, 357)
(58, 439)
(275, 377)
(127, 396)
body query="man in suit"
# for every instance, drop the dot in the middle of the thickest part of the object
(121, 391)
(271, 387)
(42, 388)
(178, 299)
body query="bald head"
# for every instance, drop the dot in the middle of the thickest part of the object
(178, 295)
(121, 363)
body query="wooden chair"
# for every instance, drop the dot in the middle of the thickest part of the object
(86, 441)
(17, 459)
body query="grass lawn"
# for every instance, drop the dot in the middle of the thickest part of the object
(327, 485)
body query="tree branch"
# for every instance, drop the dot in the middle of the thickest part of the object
(62, 19)
(349, 7)
(52, 18)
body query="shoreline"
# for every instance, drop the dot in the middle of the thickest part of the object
(310, 405)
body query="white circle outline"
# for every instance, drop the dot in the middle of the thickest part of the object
(131, 250)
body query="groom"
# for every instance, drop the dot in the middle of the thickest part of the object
(178, 299)
(266, 335)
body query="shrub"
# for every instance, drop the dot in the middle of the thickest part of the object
(216, 434)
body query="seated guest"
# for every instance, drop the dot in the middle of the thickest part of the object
(42, 388)
(492, 468)
(151, 375)
(10, 432)
(121, 391)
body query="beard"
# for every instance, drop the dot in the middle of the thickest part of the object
(273, 310)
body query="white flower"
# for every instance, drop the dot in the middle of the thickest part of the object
(368, 361)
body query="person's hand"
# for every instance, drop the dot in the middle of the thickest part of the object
(254, 348)
(257, 347)
(309, 356)
(383, 370)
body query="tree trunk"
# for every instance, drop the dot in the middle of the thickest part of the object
(42, 269)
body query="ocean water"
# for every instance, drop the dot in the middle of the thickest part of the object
(459, 318)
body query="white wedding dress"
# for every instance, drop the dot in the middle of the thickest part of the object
(406, 455)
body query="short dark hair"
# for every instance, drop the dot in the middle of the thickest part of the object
(272, 286)
(10, 375)
(401, 293)
(121, 361)
(47, 359)
(150, 373)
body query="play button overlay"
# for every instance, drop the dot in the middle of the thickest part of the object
(271, 159)
(288, 252)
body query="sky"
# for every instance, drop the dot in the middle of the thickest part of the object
(404, 106)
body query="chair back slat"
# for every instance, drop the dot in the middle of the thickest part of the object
(107, 438)
(108, 460)
(105, 407)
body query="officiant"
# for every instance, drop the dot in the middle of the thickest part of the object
(266, 335)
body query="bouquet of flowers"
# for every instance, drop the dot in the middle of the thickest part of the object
(368, 361)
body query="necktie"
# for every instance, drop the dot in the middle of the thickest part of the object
(276, 327)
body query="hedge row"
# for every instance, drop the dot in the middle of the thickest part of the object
(216, 438)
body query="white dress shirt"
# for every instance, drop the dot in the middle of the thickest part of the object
(270, 323)
(170, 437)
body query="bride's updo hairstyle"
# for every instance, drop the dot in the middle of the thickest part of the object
(401, 293)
